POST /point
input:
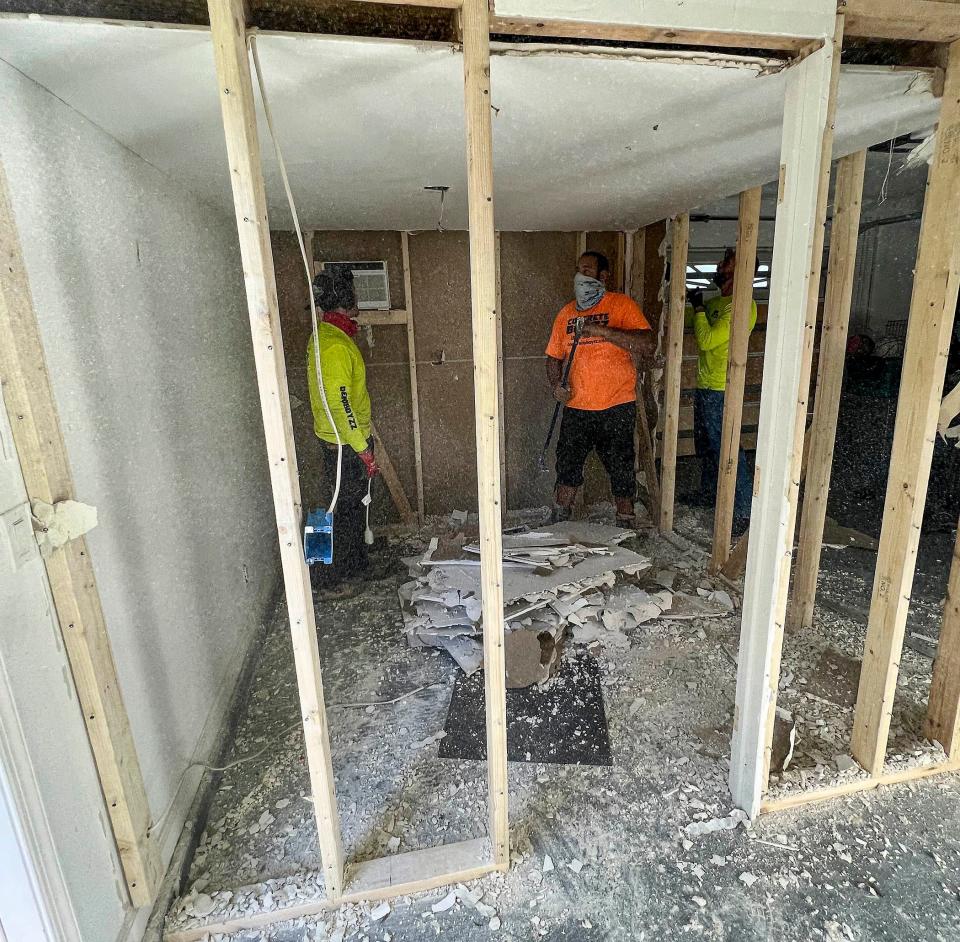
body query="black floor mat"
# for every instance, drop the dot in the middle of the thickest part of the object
(563, 722)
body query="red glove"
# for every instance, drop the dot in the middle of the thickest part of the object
(366, 456)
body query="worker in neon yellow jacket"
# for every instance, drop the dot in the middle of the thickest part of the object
(345, 385)
(711, 326)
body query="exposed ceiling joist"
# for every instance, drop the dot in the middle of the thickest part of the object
(563, 29)
(905, 20)
(438, 4)
(915, 20)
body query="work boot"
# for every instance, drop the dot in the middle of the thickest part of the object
(564, 497)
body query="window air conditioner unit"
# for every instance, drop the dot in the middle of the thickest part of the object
(370, 282)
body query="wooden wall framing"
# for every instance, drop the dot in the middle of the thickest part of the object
(935, 291)
(231, 57)
(475, 20)
(833, 347)
(924, 367)
(805, 130)
(416, 870)
(807, 125)
(673, 353)
(748, 233)
(38, 438)
(811, 84)
(412, 350)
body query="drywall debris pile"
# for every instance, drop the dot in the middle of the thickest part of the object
(567, 581)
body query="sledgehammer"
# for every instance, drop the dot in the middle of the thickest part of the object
(564, 377)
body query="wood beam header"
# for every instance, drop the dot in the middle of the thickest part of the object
(913, 20)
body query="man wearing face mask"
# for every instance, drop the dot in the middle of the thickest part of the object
(711, 325)
(345, 386)
(600, 397)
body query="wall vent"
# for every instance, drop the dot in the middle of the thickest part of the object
(370, 281)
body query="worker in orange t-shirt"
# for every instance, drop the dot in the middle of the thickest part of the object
(600, 397)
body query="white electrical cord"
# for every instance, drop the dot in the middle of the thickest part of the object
(307, 268)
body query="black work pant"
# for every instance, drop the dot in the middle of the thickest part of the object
(349, 517)
(610, 432)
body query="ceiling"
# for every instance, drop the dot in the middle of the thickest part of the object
(609, 140)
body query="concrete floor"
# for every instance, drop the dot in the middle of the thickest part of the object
(883, 865)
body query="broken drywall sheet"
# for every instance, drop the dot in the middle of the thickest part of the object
(730, 823)
(522, 582)
(564, 577)
(62, 522)
(949, 410)
(466, 651)
(531, 657)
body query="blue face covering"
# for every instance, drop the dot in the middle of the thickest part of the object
(588, 291)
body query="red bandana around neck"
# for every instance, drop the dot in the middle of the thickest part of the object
(346, 323)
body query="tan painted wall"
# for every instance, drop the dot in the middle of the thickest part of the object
(536, 281)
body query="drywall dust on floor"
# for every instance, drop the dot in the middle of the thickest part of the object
(647, 849)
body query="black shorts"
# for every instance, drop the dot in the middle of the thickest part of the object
(611, 432)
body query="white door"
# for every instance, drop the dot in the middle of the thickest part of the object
(22, 914)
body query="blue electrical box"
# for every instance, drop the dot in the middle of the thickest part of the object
(318, 538)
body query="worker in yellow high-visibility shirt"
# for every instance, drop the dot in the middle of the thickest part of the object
(345, 385)
(711, 326)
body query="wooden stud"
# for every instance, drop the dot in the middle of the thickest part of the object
(414, 389)
(833, 348)
(636, 279)
(645, 460)
(395, 318)
(308, 245)
(811, 87)
(429, 4)
(627, 253)
(500, 391)
(860, 785)
(747, 235)
(647, 457)
(680, 227)
(628, 289)
(943, 708)
(737, 558)
(800, 435)
(392, 479)
(624, 32)
(483, 290)
(416, 871)
(228, 32)
(924, 366)
(620, 263)
(579, 499)
(35, 422)
(653, 304)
